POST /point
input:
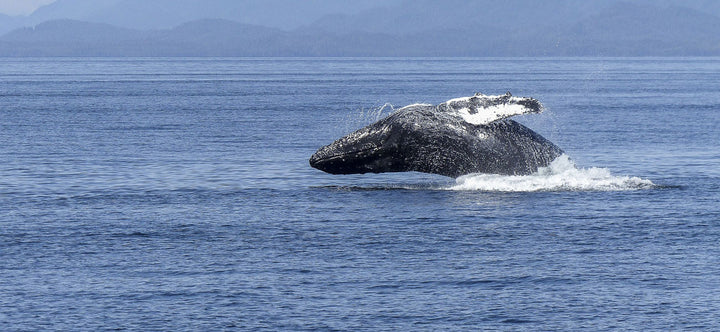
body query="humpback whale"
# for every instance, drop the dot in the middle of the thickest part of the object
(458, 137)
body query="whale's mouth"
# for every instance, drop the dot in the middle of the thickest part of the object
(332, 161)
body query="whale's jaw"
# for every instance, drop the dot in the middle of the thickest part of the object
(369, 150)
(356, 162)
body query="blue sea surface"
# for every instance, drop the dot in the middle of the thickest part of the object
(175, 194)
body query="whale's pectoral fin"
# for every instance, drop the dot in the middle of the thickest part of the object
(481, 109)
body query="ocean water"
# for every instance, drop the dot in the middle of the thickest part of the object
(175, 194)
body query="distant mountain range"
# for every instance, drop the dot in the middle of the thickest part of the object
(166, 14)
(367, 28)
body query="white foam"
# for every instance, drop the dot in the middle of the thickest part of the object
(560, 175)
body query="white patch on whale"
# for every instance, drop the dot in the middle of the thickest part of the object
(489, 114)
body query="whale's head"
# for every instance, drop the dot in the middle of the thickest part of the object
(373, 149)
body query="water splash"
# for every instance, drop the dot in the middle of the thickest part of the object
(560, 175)
(364, 117)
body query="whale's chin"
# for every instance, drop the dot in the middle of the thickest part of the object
(371, 160)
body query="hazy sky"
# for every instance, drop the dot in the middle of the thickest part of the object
(21, 7)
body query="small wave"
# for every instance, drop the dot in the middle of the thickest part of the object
(560, 175)
(379, 187)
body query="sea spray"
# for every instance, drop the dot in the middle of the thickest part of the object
(364, 116)
(561, 175)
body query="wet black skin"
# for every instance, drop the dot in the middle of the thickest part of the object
(421, 139)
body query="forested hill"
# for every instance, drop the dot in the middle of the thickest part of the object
(393, 28)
